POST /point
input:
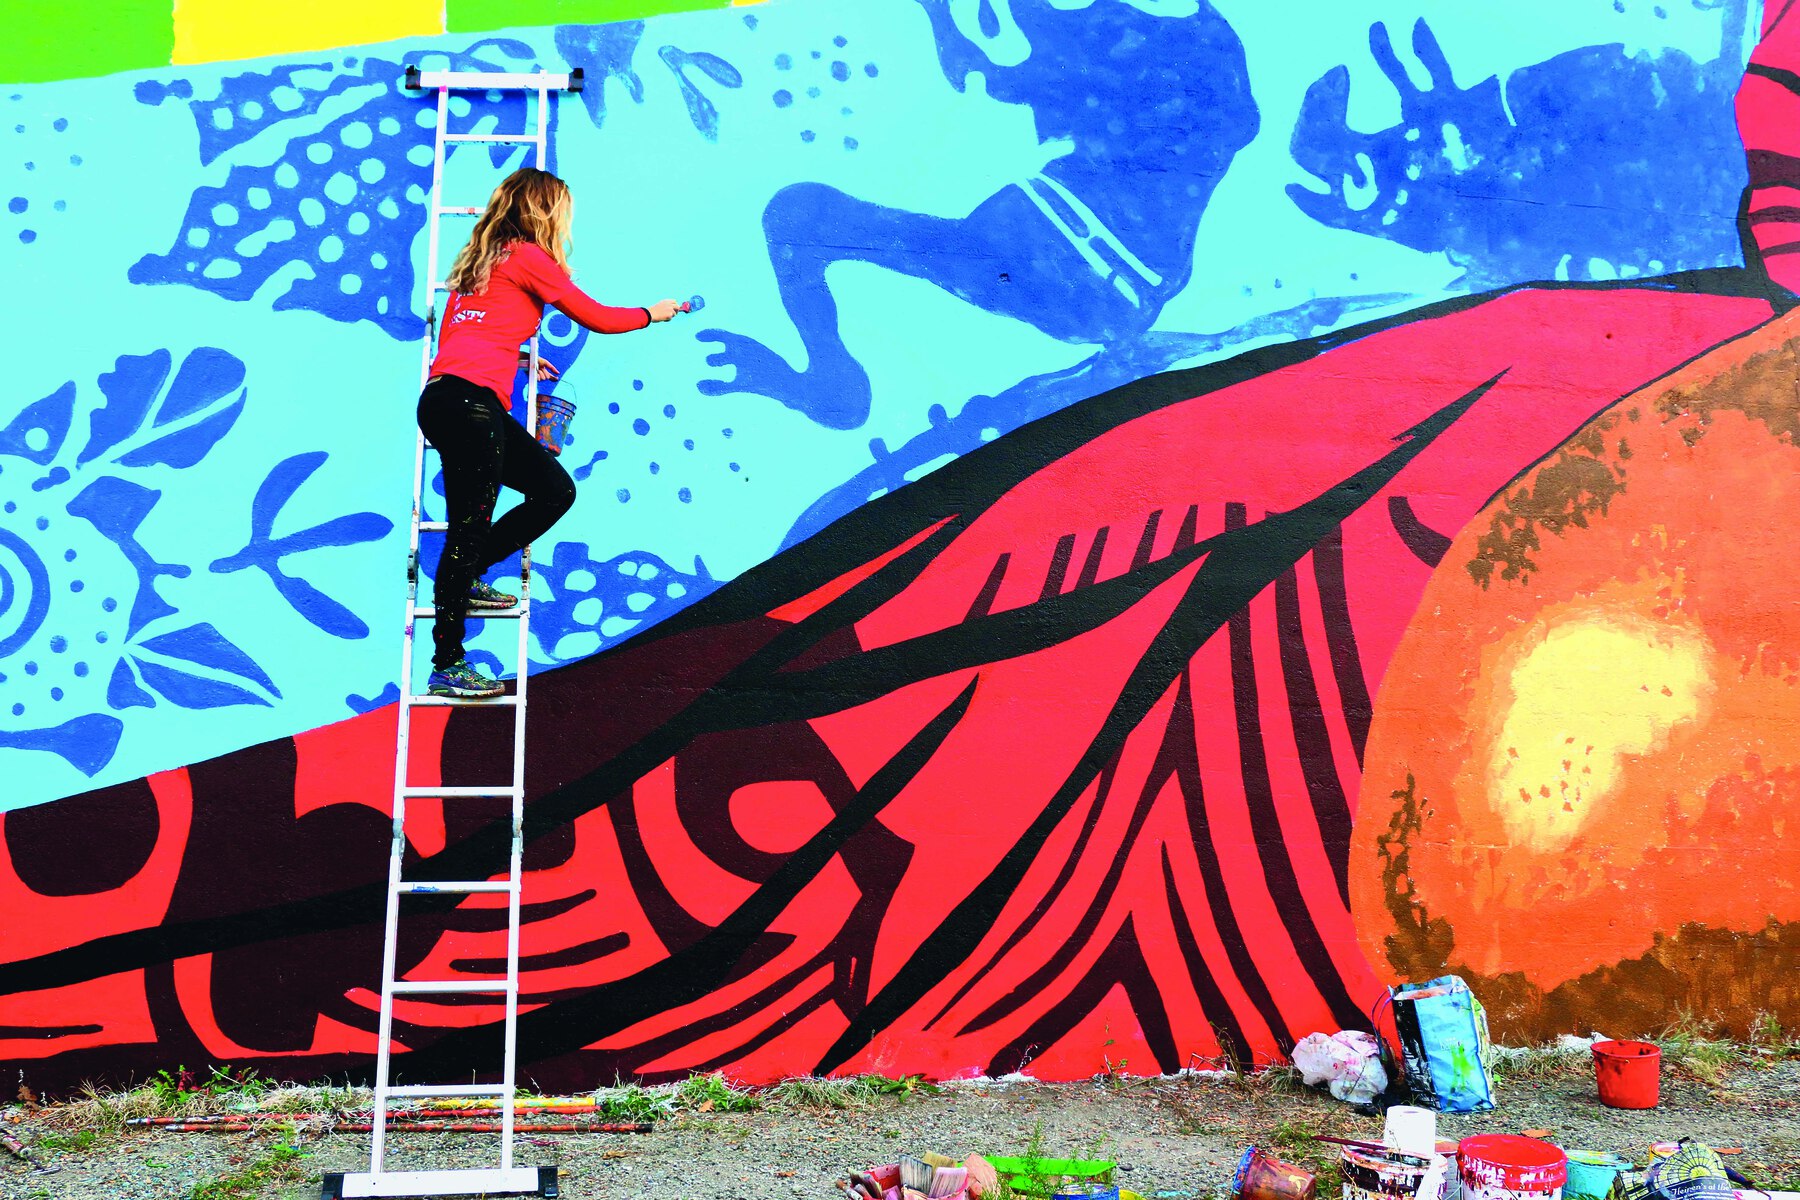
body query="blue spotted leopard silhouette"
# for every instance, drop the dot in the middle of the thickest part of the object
(345, 197)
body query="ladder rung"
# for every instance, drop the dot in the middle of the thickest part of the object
(471, 886)
(468, 1181)
(450, 987)
(496, 139)
(434, 527)
(507, 701)
(458, 793)
(450, 1089)
(460, 210)
(475, 614)
(486, 80)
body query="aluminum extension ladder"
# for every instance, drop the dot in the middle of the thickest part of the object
(505, 1178)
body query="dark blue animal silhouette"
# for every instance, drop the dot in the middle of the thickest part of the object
(1593, 164)
(1147, 112)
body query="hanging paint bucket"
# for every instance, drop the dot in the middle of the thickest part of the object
(1592, 1174)
(1372, 1175)
(1628, 1073)
(1504, 1166)
(1262, 1176)
(553, 417)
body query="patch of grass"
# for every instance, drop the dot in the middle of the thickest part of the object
(1293, 1142)
(902, 1086)
(1769, 1040)
(714, 1093)
(1693, 1047)
(105, 1111)
(809, 1094)
(279, 1166)
(320, 1099)
(1279, 1079)
(68, 1143)
(1539, 1063)
(633, 1102)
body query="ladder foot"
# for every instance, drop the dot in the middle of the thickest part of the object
(332, 1187)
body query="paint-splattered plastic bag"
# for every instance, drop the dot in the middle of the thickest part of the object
(1349, 1063)
(1444, 1044)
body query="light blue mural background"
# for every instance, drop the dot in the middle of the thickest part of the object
(204, 473)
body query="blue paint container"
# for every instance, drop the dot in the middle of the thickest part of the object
(1086, 1191)
(1591, 1173)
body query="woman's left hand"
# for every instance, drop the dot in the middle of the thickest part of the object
(546, 369)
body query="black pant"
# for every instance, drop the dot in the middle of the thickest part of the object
(482, 447)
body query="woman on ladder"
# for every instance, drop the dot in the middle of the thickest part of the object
(516, 262)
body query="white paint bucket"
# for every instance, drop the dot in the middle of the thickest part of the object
(1411, 1130)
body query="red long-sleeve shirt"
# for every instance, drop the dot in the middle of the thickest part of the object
(481, 335)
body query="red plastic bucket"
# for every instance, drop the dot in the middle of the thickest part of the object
(1503, 1166)
(1629, 1074)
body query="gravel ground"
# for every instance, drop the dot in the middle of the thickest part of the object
(1173, 1137)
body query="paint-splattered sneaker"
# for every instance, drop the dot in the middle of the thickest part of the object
(462, 679)
(484, 596)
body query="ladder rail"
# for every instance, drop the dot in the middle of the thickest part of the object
(516, 864)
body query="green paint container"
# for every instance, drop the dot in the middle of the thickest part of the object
(1591, 1173)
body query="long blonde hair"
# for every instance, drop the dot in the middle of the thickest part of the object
(529, 206)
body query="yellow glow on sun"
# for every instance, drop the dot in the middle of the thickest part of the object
(1588, 692)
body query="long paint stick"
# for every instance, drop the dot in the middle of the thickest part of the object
(413, 1127)
(395, 1115)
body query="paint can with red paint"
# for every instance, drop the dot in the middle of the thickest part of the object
(1629, 1074)
(1262, 1176)
(1504, 1166)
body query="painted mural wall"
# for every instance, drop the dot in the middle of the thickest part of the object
(1171, 518)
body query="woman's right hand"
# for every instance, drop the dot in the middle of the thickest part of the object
(663, 310)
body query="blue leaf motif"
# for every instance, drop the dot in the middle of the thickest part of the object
(185, 447)
(206, 375)
(318, 608)
(129, 389)
(205, 646)
(132, 389)
(122, 690)
(192, 691)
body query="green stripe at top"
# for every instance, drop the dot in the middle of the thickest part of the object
(72, 40)
(469, 16)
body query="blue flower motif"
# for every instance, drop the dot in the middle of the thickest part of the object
(83, 622)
